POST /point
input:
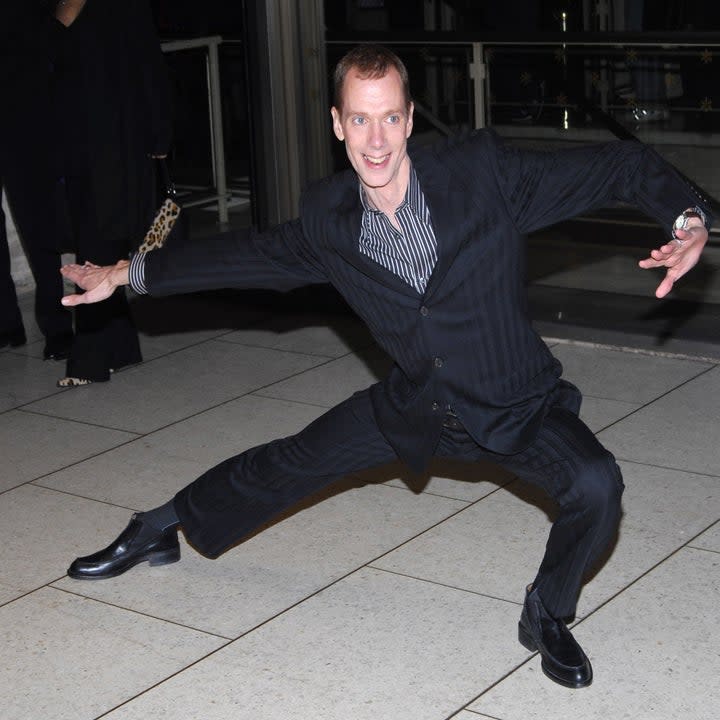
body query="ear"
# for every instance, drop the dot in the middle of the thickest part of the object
(409, 126)
(337, 125)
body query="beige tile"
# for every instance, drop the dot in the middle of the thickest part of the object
(334, 381)
(447, 478)
(634, 378)
(709, 540)
(598, 413)
(374, 645)
(663, 510)
(495, 546)
(33, 445)
(278, 567)
(24, 379)
(149, 471)
(154, 394)
(69, 658)
(40, 531)
(679, 430)
(326, 335)
(655, 651)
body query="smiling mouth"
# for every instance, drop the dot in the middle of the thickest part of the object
(376, 161)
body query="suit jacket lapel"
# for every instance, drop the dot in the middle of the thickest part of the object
(348, 245)
(447, 204)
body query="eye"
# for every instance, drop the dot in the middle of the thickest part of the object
(358, 120)
(393, 119)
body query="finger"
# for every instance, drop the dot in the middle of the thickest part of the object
(664, 287)
(72, 300)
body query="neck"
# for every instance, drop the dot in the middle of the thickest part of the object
(388, 198)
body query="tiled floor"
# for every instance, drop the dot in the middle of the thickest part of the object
(395, 598)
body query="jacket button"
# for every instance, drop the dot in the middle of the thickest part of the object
(424, 311)
(438, 362)
(435, 406)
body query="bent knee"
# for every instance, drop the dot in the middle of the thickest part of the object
(599, 484)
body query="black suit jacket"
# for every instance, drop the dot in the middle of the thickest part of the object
(466, 343)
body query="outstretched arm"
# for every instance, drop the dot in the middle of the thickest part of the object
(98, 282)
(678, 256)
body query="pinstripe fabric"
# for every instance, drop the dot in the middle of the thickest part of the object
(466, 341)
(410, 254)
(568, 462)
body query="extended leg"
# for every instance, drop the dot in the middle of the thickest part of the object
(240, 494)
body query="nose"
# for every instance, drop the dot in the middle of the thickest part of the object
(377, 134)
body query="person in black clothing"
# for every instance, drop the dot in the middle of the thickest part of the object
(27, 177)
(112, 99)
(427, 246)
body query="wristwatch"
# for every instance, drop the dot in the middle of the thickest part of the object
(681, 222)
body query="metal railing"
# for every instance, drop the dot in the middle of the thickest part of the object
(219, 193)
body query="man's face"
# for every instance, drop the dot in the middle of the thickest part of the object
(375, 124)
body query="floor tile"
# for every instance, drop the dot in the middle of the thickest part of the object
(168, 324)
(679, 430)
(709, 540)
(624, 376)
(598, 413)
(69, 658)
(40, 534)
(149, 471)
(24, 379)
(374, 645)
(333, 382)
(278, 567)
(329, 336)
(495, 546)
(655, 651)
(33, 445)
(154, 394)
(447, 478)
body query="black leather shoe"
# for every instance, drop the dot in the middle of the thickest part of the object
(137, 543)
(13, 338)
(563, 660)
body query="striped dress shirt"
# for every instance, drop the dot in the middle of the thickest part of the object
(410, 254)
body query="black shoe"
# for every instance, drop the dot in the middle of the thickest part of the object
(563, 660)
(58, 347)
(13, 338)
(137, 543)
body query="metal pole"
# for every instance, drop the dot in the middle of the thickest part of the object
(478, 75)
(216, 130)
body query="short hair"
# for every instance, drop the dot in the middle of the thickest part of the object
(371, 62)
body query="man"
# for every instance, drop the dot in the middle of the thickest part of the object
(427, 248)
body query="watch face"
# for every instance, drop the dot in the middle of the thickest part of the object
(680, 222)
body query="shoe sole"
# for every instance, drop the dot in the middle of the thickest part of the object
(155, 559)
(528, 642)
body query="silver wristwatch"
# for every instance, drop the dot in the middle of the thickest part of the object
(681, 222)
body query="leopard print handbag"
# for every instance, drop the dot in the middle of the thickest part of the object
(166, 215)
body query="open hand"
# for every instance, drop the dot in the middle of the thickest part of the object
(678, 256)
(99, 282)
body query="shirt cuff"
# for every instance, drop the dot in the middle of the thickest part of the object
(136, 273)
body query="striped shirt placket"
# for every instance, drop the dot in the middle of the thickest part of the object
(411, 254)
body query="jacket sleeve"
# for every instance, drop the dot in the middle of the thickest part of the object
(279, 259)
(543, 188)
